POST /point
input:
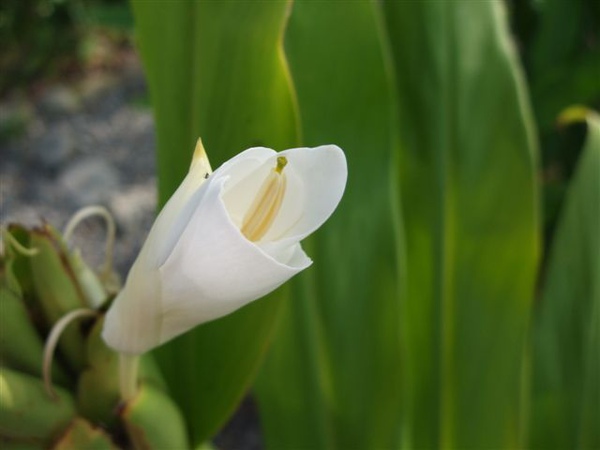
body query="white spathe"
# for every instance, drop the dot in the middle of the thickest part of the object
(197, 266)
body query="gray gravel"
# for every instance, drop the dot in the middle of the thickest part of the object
(81, 145)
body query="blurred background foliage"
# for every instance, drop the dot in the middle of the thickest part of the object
(421, 90)
(559, 45)
(42, 40)
(38, 37)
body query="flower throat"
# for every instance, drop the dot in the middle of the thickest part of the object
(264, 208)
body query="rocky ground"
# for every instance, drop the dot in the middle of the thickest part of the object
(78, 145)
(90, 142)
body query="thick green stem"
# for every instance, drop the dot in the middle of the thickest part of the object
(128, 375)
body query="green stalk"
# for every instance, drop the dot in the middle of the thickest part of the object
(128, 375)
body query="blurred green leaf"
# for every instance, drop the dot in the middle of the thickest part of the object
(566, 388)
(9, 444)
(471, 220)
(215, 70)
(20, 266)
(57, 290)
(111, 15)
(558, 32)
(21, 346)
(332, 376)
(26, 411)
(82, 435)
(564, 57)
(564, 83)
(140, 415)
(98, 384)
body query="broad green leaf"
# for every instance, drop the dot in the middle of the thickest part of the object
(215, 70)
(469, 203)
(332, 376)
(214, 73)
(566, 388)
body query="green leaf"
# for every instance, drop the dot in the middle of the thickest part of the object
(81, 434)
(98, 384)
(566, 389)
(213, 72)
(140, 415)
(332, 376)
(10, 444)
(557, 36)
(21, 346)
(471, 219)
(26, 411)
(57, 289)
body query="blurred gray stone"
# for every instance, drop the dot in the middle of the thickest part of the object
(54, 148)
(135, 205)
(58, 101)
(15, 116)
(101, 92)
(90, 181)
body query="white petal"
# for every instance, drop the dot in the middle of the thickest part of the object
(176, 213)
(133, 322)
(245, 177)
(174, 217)
(316, 178)
(197, 266)
(316, 181)
(215, 270)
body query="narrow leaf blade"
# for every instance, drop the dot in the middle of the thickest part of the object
(469, 202)
(566, 388)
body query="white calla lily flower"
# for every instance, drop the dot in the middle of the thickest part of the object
(223, 240)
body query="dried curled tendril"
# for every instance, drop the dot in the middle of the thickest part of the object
(106, 271)
(52, 341)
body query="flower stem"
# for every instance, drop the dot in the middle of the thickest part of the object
(128, 375)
